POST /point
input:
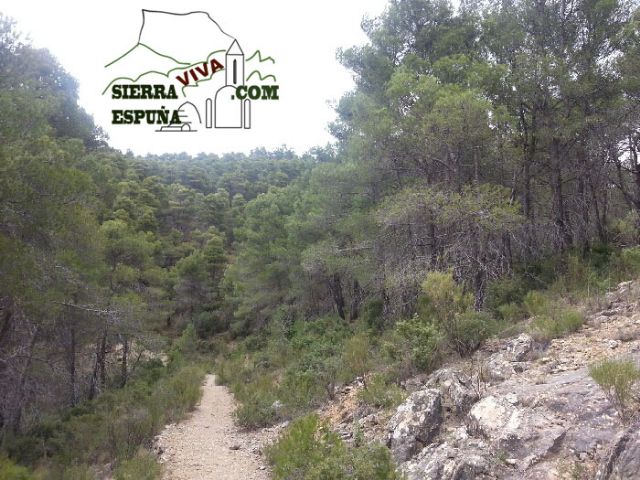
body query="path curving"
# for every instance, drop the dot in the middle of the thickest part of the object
(209, 446)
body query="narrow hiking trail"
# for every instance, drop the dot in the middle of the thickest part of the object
(209, 446)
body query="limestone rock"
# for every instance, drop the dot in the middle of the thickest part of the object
(520, 348)
(498, 367)
(623, 459)
(457, 389)
(415, 424)
(525, 433)
(489, 416)
(444, 462)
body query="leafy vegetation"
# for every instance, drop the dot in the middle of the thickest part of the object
(115, 427)
(309, 450)
(485, 171)
(616, 377)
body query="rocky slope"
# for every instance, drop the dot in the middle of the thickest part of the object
(516, 410)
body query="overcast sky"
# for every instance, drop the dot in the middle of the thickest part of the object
(302, 36)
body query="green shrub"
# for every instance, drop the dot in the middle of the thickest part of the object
(143, 466)
(256, 412)
(306, 444)
(128, 429)
(424, 342)
(10, 471)
(373, 315)
(535, 303)
(309, 450)
(505, 291)
(179, 392)
(113, 427)
(511, 312)
(616, 377)
(300, 390)
(450, 309)
(443, 299)
(626, 264)
(256, 402)
(295, 364)
(469, 329)
(579, 276)
(78, 472)
(227, 368)
(186, 345)
(379, 392)
(206, 324)
(322, 361)
(373, 462)
(557, 322)
(357, 355)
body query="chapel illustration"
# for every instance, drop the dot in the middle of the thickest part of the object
(229, 111)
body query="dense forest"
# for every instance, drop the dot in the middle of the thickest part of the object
(488, 149)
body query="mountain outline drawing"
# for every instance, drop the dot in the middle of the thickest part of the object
(173, 42)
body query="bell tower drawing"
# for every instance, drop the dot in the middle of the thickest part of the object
(234, 66)
(229, 111)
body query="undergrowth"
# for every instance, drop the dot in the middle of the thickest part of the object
(117, 428)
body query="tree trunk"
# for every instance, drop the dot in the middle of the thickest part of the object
(73, 399)
(335, 287)
(15, 415)
(98, 379)
(125, 354)
(560, 213)
(354, 311)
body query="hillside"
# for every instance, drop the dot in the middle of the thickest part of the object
(436, 292)
(518, 409)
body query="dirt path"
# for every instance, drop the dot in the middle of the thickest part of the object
(208, 446)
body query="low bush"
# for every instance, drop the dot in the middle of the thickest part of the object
(111, 428)
(469, 330)
(557, 323)
(256, 402)
(422, 340)
(616, 378)
(379, 392)
(357, 356)
(511, 312)
(626, 264)
(450, 309)
(505, 291)
(536, 303)
(143, 466)
(288, 371)
(78, 472)
(10, 471)
(309, 450)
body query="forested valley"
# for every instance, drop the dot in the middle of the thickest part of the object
(485, 171)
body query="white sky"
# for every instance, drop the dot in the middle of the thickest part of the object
(302, 36)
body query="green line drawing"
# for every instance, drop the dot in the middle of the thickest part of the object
(260, 59)
(147, 47)
(256, 72)
(186, 67)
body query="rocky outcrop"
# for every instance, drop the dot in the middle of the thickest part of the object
(445, 462)
(521, 348)
(623, 459)
(457, 389)
(525, 434)
(512, 359)
(415, 424)
(521, 411)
